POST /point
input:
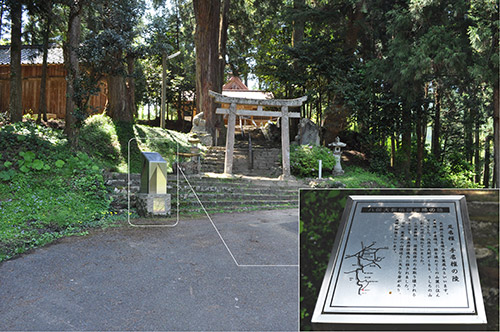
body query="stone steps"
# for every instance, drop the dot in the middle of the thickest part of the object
(216, 194)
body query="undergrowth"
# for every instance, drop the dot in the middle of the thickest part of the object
(46, 190)
(357, 177)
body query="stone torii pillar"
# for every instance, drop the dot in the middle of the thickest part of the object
(232, 111)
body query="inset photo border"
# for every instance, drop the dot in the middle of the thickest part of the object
(320, 215)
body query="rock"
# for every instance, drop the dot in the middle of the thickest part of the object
(205, 139)
(271, 132)
(484, 233)
(308, 133)
(326, 183)
(199, 124)
(490, 295)
(483, 254)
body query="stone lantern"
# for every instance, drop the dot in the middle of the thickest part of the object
(337, 152)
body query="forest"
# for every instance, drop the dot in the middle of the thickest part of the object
(412, 85)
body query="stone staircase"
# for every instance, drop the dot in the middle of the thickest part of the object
(216, 194)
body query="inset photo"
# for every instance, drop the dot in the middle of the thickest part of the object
(399, 259)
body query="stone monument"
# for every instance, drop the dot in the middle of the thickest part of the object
(406, 262)
(337, 153)
(308, 133)
(200, 131)
(153, 199)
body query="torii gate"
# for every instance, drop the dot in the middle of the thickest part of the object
(232, 111)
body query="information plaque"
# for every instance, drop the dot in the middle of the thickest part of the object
(402, 260)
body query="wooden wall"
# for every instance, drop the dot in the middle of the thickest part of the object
(56, 90)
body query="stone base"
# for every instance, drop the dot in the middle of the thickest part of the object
(205, 138)
(284, 177)
(153, 205)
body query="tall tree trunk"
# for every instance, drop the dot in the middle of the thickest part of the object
(72, 70)
(436, 129)
(393, 150)
(477, 158)
(298, 22)
(487, 156)
(180, 117)
(131, 85)
(118, 108)
(468, 137)
(354, 25)
(496, 103)
(208, 68)
(42, 108)
(420, 146)
(15, 103)
(406, 145)
(496, 132)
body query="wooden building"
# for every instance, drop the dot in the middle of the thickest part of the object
(31, 62)
(236, 88)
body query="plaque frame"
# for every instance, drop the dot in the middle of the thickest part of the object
(419, 319)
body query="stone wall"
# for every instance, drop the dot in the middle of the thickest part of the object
(266, 159)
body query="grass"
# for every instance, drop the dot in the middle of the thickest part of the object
(112, 151)
(357, 177)
(48, 190)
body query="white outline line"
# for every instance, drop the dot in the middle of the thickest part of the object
(203, 207)
(224, 242)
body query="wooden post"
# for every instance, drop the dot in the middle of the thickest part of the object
(163, 88)
(285, 142)
(231, 123)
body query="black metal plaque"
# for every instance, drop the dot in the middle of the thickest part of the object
(402, 260)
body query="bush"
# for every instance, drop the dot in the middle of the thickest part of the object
(446, 174)
(98, 139)
(304, 160)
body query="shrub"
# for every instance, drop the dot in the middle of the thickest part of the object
(98, 139)
(304, 160)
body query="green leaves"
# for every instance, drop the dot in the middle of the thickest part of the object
(59, 163)
(7, 175)
(304, 160)
(27, 155)
(29, 162)
(37, 164)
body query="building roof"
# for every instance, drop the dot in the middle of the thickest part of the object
(236, 88)
(252, 94)
(32, 55)
(234, 83)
